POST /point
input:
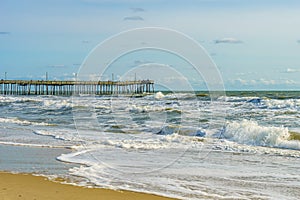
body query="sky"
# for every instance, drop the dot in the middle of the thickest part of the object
(255, 44)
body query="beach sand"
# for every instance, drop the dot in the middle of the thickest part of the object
(29, 187)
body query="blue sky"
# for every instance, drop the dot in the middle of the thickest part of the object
(254, 43)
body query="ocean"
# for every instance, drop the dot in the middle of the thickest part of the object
(245, 145)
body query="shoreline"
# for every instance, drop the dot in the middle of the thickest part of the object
(24, 186)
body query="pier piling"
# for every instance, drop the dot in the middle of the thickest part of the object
(68, 88)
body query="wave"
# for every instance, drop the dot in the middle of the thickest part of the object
(148, 108)
(237, 99)
(280, 104)
(159, 95)
(23, 122)
(54, 104)
(13, 99)
(45, 101)
(137, 144)
(263, 101)
(251, 133)
(143, 109)
(177, 96)
(181, 96)
(176, 129)
(60, 135)
(32, 145)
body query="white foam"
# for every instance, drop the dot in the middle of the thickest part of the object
(159, 95)
(57, 104)
(23, 122)
(251, 133)
(236, 99)
(60, 134)
(174, 172)
(18, 99)
(156, 142)
(280, 104)
(32, 144)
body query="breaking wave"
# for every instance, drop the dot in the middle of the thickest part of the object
(251, 133)
(23, 122)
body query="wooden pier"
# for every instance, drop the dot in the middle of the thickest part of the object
(68, 88)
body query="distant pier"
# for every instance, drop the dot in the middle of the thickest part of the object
(67, 88)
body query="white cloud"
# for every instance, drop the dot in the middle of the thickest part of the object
(290, 82)
(266, 82)
(252, 82)
(240, 73)
(257, 83)
(152, 64)
(57, 66)
(228, 40)
(291, 70)
(240, 81)
(138, 9)
(133, 18)
(141, 62)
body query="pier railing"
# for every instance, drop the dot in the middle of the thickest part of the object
(43, 87)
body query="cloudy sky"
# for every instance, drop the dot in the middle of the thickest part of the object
(254, 43)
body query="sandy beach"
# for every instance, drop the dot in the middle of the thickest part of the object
(29, 187)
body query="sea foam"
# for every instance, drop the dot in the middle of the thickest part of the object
(159, 95)
(23, 122)
(251, 133)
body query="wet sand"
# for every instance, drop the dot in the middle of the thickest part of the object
(29, 187)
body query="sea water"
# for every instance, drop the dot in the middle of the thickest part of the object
(244, 145)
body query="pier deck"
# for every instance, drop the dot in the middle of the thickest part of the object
(48, 87)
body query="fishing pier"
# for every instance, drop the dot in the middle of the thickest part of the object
(68, 88)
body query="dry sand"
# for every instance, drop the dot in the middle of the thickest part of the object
(29, 187)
